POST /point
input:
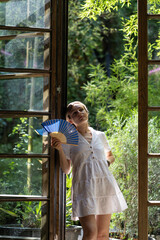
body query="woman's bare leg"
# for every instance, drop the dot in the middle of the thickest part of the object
(89, 226)
(103, 222)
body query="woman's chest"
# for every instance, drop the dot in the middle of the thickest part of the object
(85, 149)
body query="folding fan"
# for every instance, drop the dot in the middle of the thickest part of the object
(42, 132)
(62, 130)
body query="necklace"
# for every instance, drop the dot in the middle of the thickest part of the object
(88, 136)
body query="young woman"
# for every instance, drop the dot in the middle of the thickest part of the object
(95, 193)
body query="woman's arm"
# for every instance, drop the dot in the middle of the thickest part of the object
(110, 157)
(65, 163)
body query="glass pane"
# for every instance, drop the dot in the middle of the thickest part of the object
(154, 132)
(154, 179)
(153, 7)
(154, 85)
(31, 92)
(22, 13)
(25, 219)
(27, 172)
(154, 222)
(24, 50)
(18, 136)
(154, 39)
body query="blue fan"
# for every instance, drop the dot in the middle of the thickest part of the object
(60, 129)
(42, 132)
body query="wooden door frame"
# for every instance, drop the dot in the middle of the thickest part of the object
(57, 55)
(58, 102)
(143, 110)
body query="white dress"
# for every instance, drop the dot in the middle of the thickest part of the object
(94, 189)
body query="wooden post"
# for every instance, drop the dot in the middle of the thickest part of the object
(58, 103)
(143, 120)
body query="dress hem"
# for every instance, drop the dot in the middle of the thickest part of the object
(118, 211)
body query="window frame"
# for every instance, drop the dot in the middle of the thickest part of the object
(58, 99)
(143, 109)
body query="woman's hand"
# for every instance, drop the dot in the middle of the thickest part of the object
(64, 163)
(56, 143)
(110, 158)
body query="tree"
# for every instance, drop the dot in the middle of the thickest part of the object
(115, 96)
(90, 42)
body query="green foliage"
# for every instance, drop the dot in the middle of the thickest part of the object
(21, 130)
(154, 223)
(18, 133)
(92, 9)
(90, 42)
(115, 96)
(15, 171)
(9, 212)
(113, 101)
(68, 200)
(124, 145)
(110, 96)
(84, 37)
(157, 47)
(154, 121)
(30, 213)
(26, 214)
(153, 39)
(69, 221)
(153, 6)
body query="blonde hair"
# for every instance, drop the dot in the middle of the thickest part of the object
(70, 106)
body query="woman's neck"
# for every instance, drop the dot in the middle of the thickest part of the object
(85, 132)
(83, 128)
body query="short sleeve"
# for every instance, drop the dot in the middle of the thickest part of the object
(105, 142)
(66, 149)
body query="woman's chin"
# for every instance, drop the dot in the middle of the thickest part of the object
(82, 121)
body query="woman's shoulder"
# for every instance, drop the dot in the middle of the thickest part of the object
(98, 132)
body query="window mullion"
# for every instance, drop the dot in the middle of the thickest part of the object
(143, 120)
